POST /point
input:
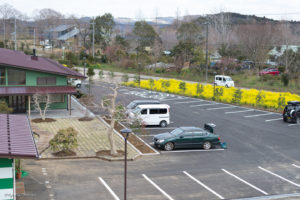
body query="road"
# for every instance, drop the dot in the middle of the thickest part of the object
(262, 159)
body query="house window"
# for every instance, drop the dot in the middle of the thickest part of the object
(46, 81)
(2, 76)
(54, 98)
(16, 77)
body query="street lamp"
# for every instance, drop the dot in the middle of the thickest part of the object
(84, 65)
(125, 133)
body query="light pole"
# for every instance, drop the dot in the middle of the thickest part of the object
(214, 84)
(125, 133)
(206, 51)
(84, 65)
(139, 66)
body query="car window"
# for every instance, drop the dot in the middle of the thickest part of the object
(177, 131)
(187, 134)
(200, 133)
(223, 79)
(132, 105)
(144, 112)
(228, 79)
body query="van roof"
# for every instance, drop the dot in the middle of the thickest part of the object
(224, 76)
(154, 106)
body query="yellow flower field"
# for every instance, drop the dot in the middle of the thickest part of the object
(252, 97)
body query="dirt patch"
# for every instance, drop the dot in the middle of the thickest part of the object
(62, 153)
(105, 153)
(133, 139)
(85, 119)
(40, 120)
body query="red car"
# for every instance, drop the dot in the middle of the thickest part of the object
(273, 71)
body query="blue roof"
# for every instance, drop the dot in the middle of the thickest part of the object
(68, 35)
(61, 28)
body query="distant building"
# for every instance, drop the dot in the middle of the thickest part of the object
(279, 50)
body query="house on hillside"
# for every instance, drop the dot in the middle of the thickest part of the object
(22, 76)
(64, 35)
(279, 50)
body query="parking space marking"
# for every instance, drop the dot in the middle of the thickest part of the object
(186, 151)
(221, 108)
(109, 189)
(182, 102)
(203, 185)
(278, 176)
(248, 116)
(293, 124)
(208, 104)
(296, 166)
(242, 180)
(239, 111)
(157, 187)
(160, 128)
(269, 120)
(178, 98)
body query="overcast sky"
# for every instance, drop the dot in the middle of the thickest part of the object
(276, 9)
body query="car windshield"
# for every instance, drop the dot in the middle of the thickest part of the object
(228, 79)
(131, 105)
(177, 131)
(137, 110)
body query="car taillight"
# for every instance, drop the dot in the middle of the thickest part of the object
(219, 138)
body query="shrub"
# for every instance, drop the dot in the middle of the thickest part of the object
(125, 78)
(281, 69)
(285, 79)
(281, 102)
(101, 74)
(4, 109)
(65, 140)
(182, 86)
(237, 96)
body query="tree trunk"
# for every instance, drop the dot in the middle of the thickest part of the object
(110, 134)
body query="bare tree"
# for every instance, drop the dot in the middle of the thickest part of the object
(84, 29)
(256, 41)
(39, 99)
(7, 12)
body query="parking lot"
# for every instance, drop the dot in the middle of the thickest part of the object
(262, 158)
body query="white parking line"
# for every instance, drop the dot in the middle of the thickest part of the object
(186, 151)
(182, 102)
(239, 111)
(178, 98)
(160, 128)
(242, 180)
(272, 173)
(261, 115)
(269, 120)
(208, 104)
(221, 108)
(293, 124)
(109, 189)
(296, 166)
(203, 185)
(157, 187)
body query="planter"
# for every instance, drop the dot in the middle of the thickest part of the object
(19, 175)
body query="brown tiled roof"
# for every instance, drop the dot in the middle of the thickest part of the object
(16, 139)
(30, 90)
(20, 60)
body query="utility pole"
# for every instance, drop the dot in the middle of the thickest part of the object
(34, 38)
(4, 32)
(206, 51)
(93, 37)
(15, 34)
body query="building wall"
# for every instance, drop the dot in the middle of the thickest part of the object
(6, 178)
(31, 80)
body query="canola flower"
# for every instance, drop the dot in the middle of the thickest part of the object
(251, 97)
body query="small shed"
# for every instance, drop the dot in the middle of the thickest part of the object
(16, 142)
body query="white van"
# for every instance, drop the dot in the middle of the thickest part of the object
(221, 80)
(151, 114)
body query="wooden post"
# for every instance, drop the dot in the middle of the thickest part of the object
(70, 107)
(29, 109)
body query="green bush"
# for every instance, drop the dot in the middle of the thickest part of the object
(125, 78)
(285, 79)
(182, 86)
(64, 141)
(4, 109)
(237, 96)
(281, 69)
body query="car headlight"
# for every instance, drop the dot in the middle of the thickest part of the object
(160, 141)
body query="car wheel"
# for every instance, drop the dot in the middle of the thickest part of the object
(78, 85)
(206, 145)
(163, 124)
(285, 119)
(169, 146)
(227, 86)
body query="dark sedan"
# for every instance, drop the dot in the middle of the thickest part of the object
(187, 137)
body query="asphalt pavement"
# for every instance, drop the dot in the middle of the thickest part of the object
(262, 160)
